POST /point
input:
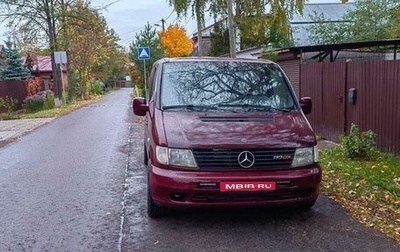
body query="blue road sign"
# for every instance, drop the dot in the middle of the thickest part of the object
(143, 53)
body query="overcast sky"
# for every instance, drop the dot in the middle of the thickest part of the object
(128, 17)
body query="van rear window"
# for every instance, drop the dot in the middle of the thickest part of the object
(218, 83)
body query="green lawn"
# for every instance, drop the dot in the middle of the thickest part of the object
(370, 190)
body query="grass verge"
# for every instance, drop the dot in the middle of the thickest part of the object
(370, 190)
(55, 112)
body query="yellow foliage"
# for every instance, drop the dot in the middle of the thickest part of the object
(175, 42)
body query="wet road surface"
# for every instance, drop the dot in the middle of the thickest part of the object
(61, 186)
(79, 184)
(326, 227)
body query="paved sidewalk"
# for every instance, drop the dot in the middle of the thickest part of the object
(11, 130)
(325, 144)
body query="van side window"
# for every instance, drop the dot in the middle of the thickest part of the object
(151, 83)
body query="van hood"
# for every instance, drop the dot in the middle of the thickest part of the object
(236, 130)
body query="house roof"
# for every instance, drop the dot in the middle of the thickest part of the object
(43, 63)
(332, 12)
(40, 63)
(206, 31)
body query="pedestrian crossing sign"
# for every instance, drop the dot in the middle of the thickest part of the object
(143, 53)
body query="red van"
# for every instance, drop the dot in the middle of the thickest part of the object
(226, 132)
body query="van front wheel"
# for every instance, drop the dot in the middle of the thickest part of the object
(153, 210)
(307, 205)
(145, 157)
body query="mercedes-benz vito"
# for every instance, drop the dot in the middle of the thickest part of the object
(226, 132)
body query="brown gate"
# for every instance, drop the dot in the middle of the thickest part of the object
(325, 83)
(376, 86)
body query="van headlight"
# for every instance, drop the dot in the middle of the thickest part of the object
(305, 156)
(176, 157)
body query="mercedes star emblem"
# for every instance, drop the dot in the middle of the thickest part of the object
(246, 159)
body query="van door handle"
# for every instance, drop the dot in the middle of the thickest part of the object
(341, 99)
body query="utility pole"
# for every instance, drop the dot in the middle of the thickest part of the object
(231, 27)
(163, 24)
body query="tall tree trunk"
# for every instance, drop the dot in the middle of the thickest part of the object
(199, 29)
(232, 34)
(51, 24)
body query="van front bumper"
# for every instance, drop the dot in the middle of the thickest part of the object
(185, 189)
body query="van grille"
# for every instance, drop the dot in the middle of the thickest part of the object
(228, 159)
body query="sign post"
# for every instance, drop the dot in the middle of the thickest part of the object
(144, 54)
(61, 58)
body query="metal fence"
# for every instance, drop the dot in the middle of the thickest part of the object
(364, 93)
(14, 89)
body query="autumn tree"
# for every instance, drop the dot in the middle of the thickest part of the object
(192, 8)
(175, 42)
(135, 76)
(92, 48)
(37, 19)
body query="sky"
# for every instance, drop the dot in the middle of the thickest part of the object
(128, 17)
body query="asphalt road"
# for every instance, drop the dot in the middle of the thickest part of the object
(78, 184)
(61, 186)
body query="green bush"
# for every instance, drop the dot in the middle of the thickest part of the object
(49, 102)
(8, 104)
(140, 91)
(33, 103)
(359, 145)
(98, 88)
(41, 100)
(73, 90)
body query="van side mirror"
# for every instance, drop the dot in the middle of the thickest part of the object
(306, 105)
(140, 107)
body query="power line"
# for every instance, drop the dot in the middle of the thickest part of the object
(137, 29)
(127, 41)
(170, 14)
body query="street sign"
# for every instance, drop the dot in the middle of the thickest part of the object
(143, 53)
(60, 57)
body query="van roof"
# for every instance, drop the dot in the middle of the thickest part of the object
(220, 59)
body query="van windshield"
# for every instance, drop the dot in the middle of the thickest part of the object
(224, 84)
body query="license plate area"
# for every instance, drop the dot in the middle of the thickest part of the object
(247, 186)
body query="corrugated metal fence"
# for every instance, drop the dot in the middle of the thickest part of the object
(373, 105)
(14, 89)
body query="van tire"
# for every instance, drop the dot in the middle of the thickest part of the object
(153, 210)
(307, 205)
(145, 157)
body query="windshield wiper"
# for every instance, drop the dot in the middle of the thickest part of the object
(250, 107)
(189, 107)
